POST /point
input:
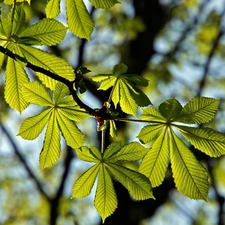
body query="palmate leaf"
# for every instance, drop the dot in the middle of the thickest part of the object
(105, 4)
(190, 177)
(106, 166)
(152, 115)
(47, 31)
(52, 8)
(78, 18)
(105, 197)
(55, 120)
(125, 92)
(198, 110)
(206, 140)
(16, 77)
(155, 162)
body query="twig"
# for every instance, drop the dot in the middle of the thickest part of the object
(24, 163)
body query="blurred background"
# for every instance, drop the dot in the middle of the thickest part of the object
(179, 46)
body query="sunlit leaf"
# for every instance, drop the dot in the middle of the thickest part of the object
(112, 149)
(170, 108)
(113, 129)
(48, 61)
(152, 115)
(105, 4)
(155, 162)
(130, 152)
(36, 93)
(52, 8)
(33, 126)
(190, 177)
(47, 81)
(78, 18)
(137, 184)
(85, 182)
(48, 31)
(105, 197)
(198, 110)
(16, 77)
(84, 153)
(149, 133)
(51, 147)
(207, 140)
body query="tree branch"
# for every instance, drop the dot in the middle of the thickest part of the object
(24, 163)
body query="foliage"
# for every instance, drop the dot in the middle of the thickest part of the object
(169, 128)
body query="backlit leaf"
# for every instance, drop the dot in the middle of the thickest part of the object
(33, 126)
(130, 152)
(105, 4)
(120, 69)
(190, 177)
(111, 150)
(84, 153)
(16, 77)
(36, 93)
(170, 108)
(105, 197)
(73, 136)
(198, 110)
(48, 31)
(51, 147)
(149, 133)
(152, 115)
(155, 162)
(78, 18)
(85, 182)
(47, 81)
(137, 184)
(207, 140)
(52, 8)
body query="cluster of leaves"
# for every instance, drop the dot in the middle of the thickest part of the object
(167, 132)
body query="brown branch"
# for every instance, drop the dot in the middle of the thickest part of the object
(69, 84)
(24, 163)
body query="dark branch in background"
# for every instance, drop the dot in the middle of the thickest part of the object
(219, 198)
(187, 30)
(54, 203)
(69, 84)
(24, 163)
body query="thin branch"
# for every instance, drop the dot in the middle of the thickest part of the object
(54, 76)
(24, 163)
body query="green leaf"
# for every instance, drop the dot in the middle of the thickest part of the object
(74, 113)
(111, 150)
(105, 198)
(18, 20)
(16, 77)
(51, 147)
(135, 79)
(47, 81)
(60, 93)
(137, 184)
(155, 162)
(36, 93)
(78, 18)
(113, 129)
(105, 4)
(48, 61)
(170, 109)
(149, 133)
(33, 126)
(52, 8)
(152, 115)
(190, 177)
(198, 110)
(127, 103)
(73, 136)
(48, 31)
(91, 154)
(85, 182)
(106, 83)
(119, 69)
(130, 152)
(207, 140)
